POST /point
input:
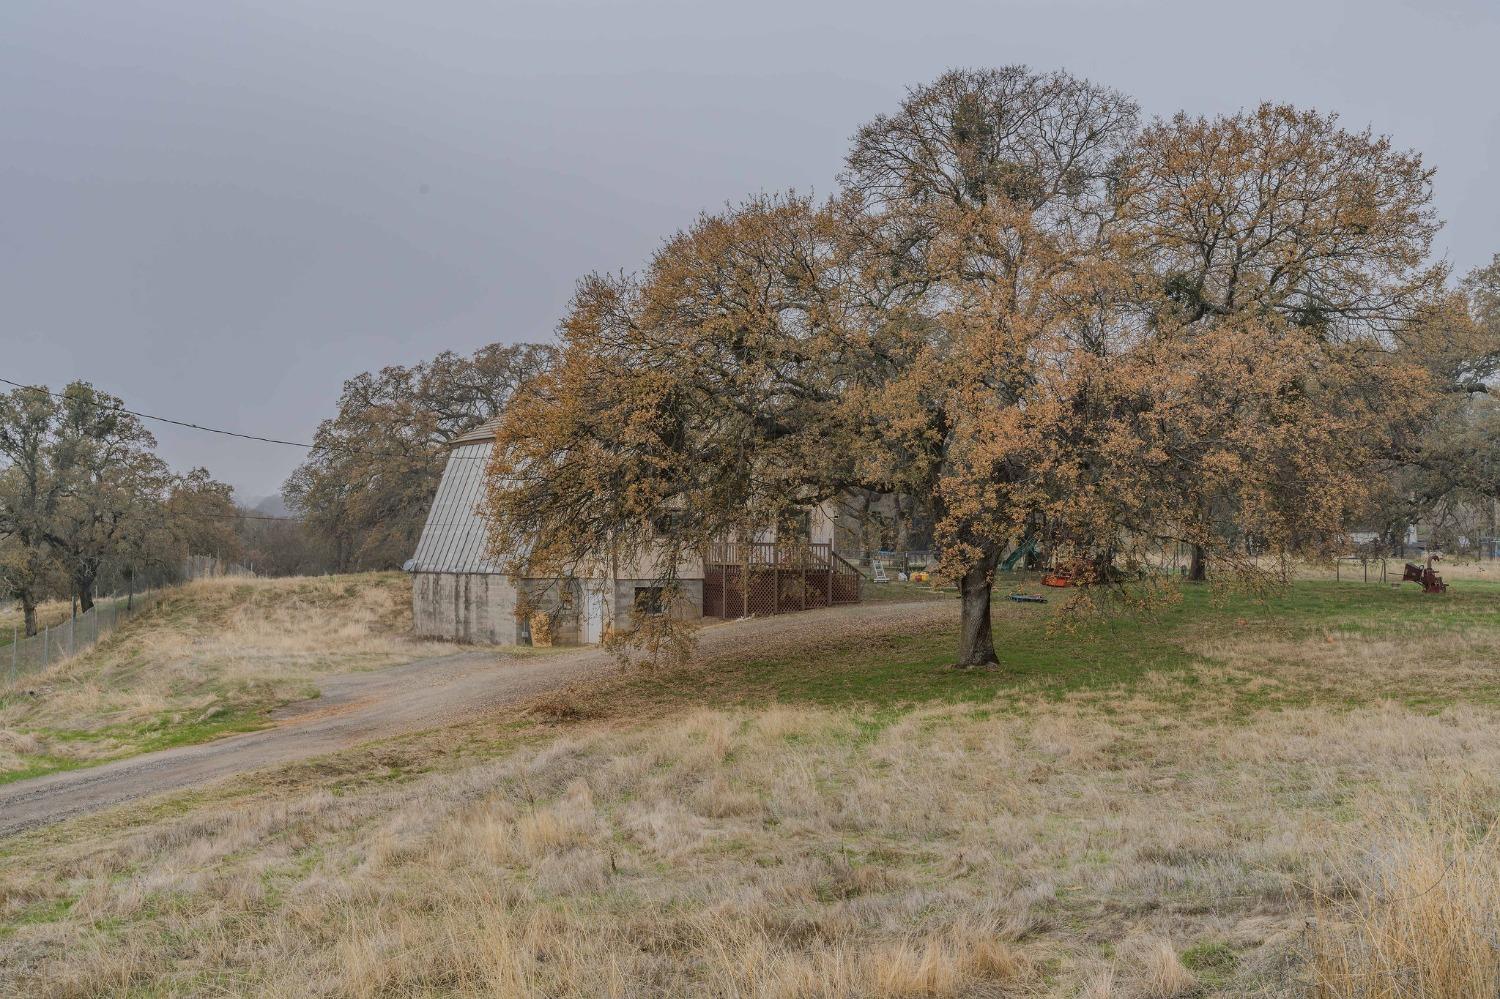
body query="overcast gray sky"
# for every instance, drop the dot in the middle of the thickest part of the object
(221, 210)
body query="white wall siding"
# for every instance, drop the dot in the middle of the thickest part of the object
(464, 607)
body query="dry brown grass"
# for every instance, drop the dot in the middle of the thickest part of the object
(783, 852)
(1147, 845)
(1162, 974)
(215, 651)
(1352, 666)
(1425, 920)
(48, 613)
(1452, 568)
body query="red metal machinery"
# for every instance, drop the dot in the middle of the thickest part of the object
(1428, 577)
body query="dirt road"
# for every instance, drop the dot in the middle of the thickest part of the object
(431, 693)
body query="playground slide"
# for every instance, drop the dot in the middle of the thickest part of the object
(1012, 560)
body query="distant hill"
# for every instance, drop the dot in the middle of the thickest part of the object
(270, 506)
(273, 506)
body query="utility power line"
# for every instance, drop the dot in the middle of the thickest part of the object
(163, 419)
(254, 516)
(122, 409)
(230, 433)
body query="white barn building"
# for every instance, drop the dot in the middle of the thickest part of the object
(460, 595)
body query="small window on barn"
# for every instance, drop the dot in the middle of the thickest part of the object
(650, 600)
(667, 523)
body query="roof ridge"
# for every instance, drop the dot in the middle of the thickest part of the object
(484, 433)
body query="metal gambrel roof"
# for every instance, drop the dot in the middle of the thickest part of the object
(482, 434)
(454, 537)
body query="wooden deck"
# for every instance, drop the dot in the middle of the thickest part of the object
(761, 578)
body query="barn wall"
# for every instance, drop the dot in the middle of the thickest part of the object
(465, 607)
(561, 601)
(689, 607)
(480, 608)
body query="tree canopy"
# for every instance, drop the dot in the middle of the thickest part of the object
(84, 496)
(1049, 319)
(364, 490)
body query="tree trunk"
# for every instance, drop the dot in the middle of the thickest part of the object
(976, 639)
(1198, 567)
(85, 596)
(28, 612)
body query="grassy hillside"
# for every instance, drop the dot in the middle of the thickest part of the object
(211, 657)
(1235, 798)
(49, 614)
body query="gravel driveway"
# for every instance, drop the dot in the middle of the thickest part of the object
(431, 693)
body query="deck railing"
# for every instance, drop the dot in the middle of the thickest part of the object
(767, 577)
(787, 554)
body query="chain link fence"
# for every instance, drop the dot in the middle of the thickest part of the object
(80, 632)
(212, 567)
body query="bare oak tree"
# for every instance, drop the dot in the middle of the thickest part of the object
(364, 490)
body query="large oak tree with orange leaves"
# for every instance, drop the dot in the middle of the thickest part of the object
(1050, 320)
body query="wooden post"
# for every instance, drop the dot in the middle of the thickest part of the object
(804, 584)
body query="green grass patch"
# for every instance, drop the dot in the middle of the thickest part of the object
(164, 731)
(44, 911)
(1047, 652)
(1214, 962)
(40, 765)
(880, 593)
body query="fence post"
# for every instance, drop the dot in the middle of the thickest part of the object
(46, 645)
(15, 652)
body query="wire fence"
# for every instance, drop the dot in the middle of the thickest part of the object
(212, 567)
(58, 642)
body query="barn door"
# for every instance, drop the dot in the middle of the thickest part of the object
(593, 613)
